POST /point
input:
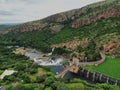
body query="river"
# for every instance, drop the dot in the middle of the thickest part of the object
(55, 65)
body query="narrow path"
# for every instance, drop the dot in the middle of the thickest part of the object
(102, 53)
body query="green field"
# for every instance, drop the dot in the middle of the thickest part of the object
(111, 67)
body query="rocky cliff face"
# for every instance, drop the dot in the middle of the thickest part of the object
(59, 18)
(75, 18)
(112, 48)
(99, 16)
(29, 28)
(71, 44)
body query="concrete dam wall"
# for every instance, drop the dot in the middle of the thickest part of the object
(97, 77)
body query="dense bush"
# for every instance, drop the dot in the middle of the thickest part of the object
(49, 81)
(61, 51)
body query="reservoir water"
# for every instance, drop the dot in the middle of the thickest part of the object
(55, 65)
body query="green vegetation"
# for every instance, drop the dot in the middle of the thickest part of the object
(110, 67)
(77, 84)
(33, 77)
(61, 51)
(37, 77)
(9, 60)
(101, 31)
(28, 74)
(32, 39)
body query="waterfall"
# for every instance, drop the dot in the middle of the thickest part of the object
(87, 74)
(51, 52)
(116, 82)
(100, 77)
(82, 70)
(107, 80)
(93, 76)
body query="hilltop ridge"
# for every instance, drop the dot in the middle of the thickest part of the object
(74, 18)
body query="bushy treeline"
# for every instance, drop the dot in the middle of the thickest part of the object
(100, 32)
(30, 76)
(45, 38)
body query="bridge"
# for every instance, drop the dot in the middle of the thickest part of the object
(74, 67)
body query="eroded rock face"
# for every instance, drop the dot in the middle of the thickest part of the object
(29, 28)
(71, 44)
(57, 18)
(75, 18)
(99, 16)
(111, 47)
(56, 28)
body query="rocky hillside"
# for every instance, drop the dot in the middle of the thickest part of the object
(74, 18)
(99, 22)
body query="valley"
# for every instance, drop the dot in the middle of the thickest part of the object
(73, 50)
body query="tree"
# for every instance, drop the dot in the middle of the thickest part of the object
(80, 49)
(20, 87)
(26, 79)
(91, 45)
(62, 86)
(49, 81)
(9, 78)
(53, 58)
(60, 51)
(101, 48)
(48, 88)
(31, 87)
(40, 79)
(20, 67)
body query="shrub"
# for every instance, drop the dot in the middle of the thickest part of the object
(49, 81)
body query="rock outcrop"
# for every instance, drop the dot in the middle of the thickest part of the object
(29, 28)
(75, 18)
(111, 47)
(99, 16)
(71, 44)
(56, 28)
(57, 18)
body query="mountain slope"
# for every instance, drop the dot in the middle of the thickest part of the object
(98, 23)
(74, 18)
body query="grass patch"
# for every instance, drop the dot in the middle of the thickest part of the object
(110, 67)
(75, 86)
